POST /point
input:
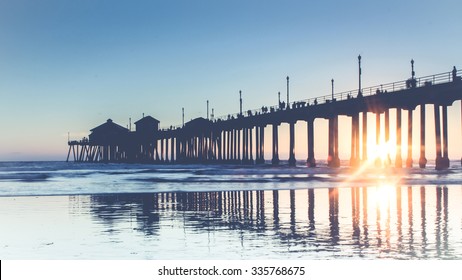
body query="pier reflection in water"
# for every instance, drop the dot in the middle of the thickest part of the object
(398, 222)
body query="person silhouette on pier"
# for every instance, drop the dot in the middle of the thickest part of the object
(283, 105)
(454, 74)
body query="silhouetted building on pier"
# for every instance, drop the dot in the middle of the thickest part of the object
(111, 140)
(145, 138)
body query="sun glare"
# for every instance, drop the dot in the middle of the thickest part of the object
(384, 151)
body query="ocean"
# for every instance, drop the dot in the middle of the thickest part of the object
(75, 211)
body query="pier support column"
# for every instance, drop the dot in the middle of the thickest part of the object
(364, 132)
(398, 159)
(311, 161)
(228, 145)
(211, 147)
(409, 139)
(212, 153)
(156, 146)
(178, 151)
(205, 147)
(201, 148)
(262, 140)
(235, 145)
(330, 152)
(387, 136)
(422, 159)
(214, 139)
(261, 146)
(223, 145)
(275, 160)
(220, 146)
(244, 145)
(189, 148)
(445, 160)
(69, 152)
(257, 144)
(162, 150)
(239, 146)
(247, 145)
(172, 149)
(182, 148)
(231, 145)
(192, 148)
(354, 159)
(209, 151)
(250, 145)
(245, 140)
(438, 160)
(197, 148)
(378, 160)
(166, 150)
(357, 139)
(105, 153)
(353, 142)
(292, 160)
(336, 162)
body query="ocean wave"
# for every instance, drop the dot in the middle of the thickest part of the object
(64, 178)
(24, 177)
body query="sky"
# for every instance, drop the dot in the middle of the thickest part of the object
(67, 66)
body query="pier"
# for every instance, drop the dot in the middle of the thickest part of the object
(240, 138)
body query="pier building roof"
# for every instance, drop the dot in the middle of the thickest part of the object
(108, 132)
(147, 124)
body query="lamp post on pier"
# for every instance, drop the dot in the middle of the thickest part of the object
(240, 102)
(332, 81)
(279, 100)
(412, 69)
(288, 92)
(359, 73)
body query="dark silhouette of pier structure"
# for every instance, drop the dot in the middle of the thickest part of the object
(234, 138)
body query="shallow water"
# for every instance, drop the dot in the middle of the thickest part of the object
(87, 211)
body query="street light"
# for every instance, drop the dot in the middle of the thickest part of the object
(240, 102)
(412, 68)
(332, 81)
(359, 65)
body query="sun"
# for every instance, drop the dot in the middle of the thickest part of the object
(384, 151)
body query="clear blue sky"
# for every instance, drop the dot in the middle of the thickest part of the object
(67, 66)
